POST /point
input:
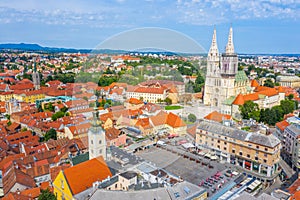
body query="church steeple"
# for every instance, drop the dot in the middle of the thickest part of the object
(96, 137)
(213, 51)
(229, 46)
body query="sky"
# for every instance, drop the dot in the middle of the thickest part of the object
(259, 26)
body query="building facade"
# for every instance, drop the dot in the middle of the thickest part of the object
(292, 144)
(96, 139)
(223, 80)
(253, 152)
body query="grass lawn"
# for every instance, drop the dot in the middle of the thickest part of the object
(173, 107)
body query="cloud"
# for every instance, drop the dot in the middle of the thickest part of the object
(200, 12)
(121, 13)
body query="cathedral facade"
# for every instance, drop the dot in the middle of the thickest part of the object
(223, 80)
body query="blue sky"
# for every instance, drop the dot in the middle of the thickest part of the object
(259, 26)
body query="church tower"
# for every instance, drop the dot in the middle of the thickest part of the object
(229, 61)
(213, 72)
(213, 57)
(96, 138)
(35, 77)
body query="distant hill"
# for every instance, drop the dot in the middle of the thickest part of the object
(38, 48)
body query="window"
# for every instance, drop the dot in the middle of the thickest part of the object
(265, 155)
(62, 184)
(218, 141)
(225, 143)
(100, 141)
(100, 151)
(266, 149)
(257, 147)
(248, 155)
(265, 160)
(241, 153)
(233, 151)
(218, 146)
(225, 148)
(256, 158)
(91, 141)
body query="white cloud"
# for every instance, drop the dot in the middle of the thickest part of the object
(220, 11)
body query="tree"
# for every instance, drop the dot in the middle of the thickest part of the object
(50, 107)
(250, 110)
(192, 117)
(47, 195)
(288, 106)
(85, 98)
(269, 83)
(168, 101)
(291, 96)
(57, 115)
(51, 134)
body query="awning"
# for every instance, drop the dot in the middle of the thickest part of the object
(188, 145)
(213, 158)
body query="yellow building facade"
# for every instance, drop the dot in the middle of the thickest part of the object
(254, 152)
(61, 188)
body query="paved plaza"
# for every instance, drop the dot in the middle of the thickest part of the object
(185, 168)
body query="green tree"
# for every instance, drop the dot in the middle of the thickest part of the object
(250, 110)
(168, 101)
(85, 98)
(50, 107)
(64, 109)
(57, 115)
(47, 195)
(269, 83)
(291, 96)
(51, 134)
(192, 117)
(288, 106)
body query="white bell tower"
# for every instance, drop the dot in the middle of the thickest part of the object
(96, 138)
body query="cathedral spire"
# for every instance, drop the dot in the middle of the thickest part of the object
(229, 46)
(213, 51)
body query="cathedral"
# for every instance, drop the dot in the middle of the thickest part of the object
(223, 80)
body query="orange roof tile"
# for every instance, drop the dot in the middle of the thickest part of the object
(174, 121)
(282, 125)
(112, 133)
(32, 193)
(239, 100)
(254, 83)
(216, 116)
(82, 176)
(135, 101)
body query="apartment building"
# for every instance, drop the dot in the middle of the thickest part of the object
(292, 144)
(253, 152)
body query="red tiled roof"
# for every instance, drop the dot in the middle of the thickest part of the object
(239, 100)
(16, 176)
(282, 125)
(31, 193)
(135, 101)
(36, 171)
(82, 176)
(254, 83)
(294, 190)
(174, 121)
(112, 133)
(143, 122)
(80, 128)
(216, 116)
